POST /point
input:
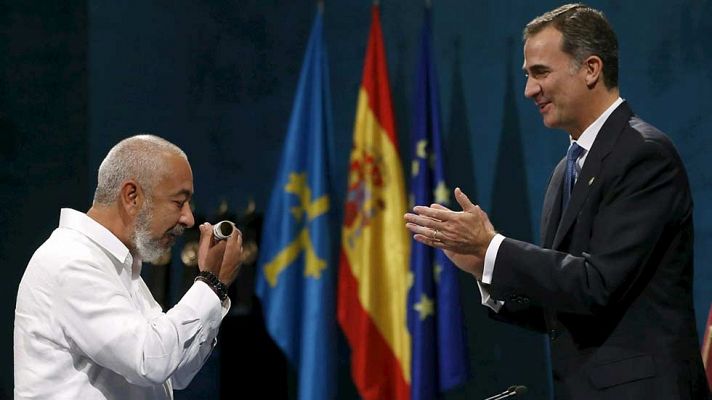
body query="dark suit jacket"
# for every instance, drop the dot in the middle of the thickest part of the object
(612, 283)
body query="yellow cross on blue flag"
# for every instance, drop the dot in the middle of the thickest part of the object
(296, 274)
(439, 356)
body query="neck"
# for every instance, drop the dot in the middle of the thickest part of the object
(111, 218)
(596, 105)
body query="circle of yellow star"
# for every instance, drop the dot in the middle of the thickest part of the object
(425, 307)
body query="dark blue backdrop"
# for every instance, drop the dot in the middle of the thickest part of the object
(218, 78)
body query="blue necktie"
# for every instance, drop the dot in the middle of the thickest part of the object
(572, 155)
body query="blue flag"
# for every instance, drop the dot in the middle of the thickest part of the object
(434, 312)
(297, 270)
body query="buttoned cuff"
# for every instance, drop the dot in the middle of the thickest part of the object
(487, 299)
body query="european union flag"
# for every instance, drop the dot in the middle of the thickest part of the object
(434, 312)
(297, 272)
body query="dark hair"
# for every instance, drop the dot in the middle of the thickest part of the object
(585, 32)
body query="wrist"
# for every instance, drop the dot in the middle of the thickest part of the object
(219, 288)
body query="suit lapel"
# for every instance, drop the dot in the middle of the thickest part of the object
(551, 211)
(578, 197)
(602, 146)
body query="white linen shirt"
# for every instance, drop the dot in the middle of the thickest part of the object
(87, 327)
(588, 136)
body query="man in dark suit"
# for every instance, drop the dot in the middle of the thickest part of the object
(612, 282)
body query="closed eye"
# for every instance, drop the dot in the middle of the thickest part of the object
(538, 72)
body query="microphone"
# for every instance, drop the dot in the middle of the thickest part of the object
(511, 391)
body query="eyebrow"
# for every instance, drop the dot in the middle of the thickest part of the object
(536, 68)
(185, 192)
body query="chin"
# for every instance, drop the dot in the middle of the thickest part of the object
(549, 124)
(552, 123)
(157, 257)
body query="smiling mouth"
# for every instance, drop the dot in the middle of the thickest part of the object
(542, 106)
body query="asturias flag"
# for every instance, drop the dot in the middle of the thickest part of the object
(296, 275)
(373, 270)
(434, 311)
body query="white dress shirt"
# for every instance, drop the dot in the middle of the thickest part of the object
(586, 142)
(87, 327)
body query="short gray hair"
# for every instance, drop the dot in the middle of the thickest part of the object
(137, 157)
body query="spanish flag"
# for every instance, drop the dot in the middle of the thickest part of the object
(374, 273)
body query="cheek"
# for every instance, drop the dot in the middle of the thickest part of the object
(558, 95)
(165, 220)
(551, 87)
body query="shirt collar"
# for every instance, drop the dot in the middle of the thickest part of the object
(82, 223)
(589, 135)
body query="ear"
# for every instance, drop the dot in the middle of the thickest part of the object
(131, 197)
(593, 67)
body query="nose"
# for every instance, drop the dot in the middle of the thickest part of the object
(532, 88)
(186, 216)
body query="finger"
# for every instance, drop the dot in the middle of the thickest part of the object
(463, 200)
(210, 254)
(433, 213)
(416, 217)
(233, 247)
(419, 230)
(423, 221)
(206, 234)
(428, 241)
(440, 207)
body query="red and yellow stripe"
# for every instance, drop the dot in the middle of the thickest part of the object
(373, 271)
(707, 348)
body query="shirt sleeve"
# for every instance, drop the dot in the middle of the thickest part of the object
(192, 364)
(490, 258)
(104, 322)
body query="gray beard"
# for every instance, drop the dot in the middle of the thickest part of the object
(150, 249)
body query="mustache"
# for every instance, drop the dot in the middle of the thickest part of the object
(176, 230)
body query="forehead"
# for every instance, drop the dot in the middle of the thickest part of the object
(544, 48)
(177, 176)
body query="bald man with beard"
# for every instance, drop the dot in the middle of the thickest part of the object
(86, 325)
